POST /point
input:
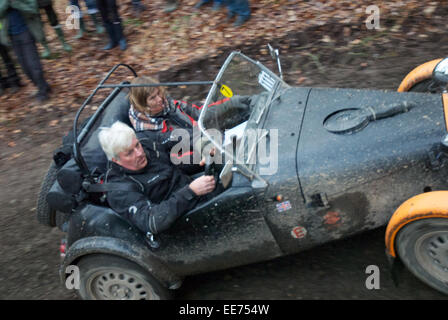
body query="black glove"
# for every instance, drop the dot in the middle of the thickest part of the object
(240, 101)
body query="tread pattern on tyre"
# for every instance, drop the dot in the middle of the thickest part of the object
(46, 215)
(405, 244)
(89, 262)
(422, 86)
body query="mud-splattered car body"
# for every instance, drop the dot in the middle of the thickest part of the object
(329, 180)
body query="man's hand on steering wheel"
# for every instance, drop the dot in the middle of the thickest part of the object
(204, 159)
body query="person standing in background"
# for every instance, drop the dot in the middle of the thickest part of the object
(239, 9)
(47, 5)
(92, 11)
(170, 6)
(11, 79)
(112, 23)
(216, 4)
(20, 26)
(138, 7)
(236, 8)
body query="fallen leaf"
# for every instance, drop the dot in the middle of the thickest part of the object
(301, 80)
(16, 155)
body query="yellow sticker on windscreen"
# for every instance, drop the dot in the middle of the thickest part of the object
(226, 91)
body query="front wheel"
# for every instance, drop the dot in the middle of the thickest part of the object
(107, 277)
(428, 86)
(423, 248)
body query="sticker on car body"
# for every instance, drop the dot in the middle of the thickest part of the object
(283, 206)
(298, 232)
(332, 218)
(226, 91)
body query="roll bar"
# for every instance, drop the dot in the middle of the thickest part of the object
(117, 88)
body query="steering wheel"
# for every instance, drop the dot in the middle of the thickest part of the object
(212, 169)
(210, 166)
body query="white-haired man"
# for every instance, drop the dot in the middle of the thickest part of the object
(166, 192)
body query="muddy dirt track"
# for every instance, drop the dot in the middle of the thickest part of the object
(29, 256)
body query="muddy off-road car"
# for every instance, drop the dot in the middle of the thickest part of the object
(303, 167)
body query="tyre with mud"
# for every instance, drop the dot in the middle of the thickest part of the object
(427, 85)
(423, 248)
(108, 277)
(45, 214)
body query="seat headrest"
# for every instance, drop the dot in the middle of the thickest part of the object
(69, 176)
(90, 148)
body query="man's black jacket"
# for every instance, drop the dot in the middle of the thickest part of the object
(165, 194)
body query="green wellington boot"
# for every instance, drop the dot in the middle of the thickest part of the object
(82, 29)
(46, 54)
(170, 6)
(61, 37)
(98, 27)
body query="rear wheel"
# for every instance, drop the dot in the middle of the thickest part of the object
(107, 277)
(423, 248)
(45, 214)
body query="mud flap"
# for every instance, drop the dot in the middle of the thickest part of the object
(417, 75)
(426, 205)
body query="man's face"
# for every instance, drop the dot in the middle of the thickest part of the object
(155, 102)
(133, 158)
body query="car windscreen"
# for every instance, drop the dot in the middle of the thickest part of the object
(240, 94)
